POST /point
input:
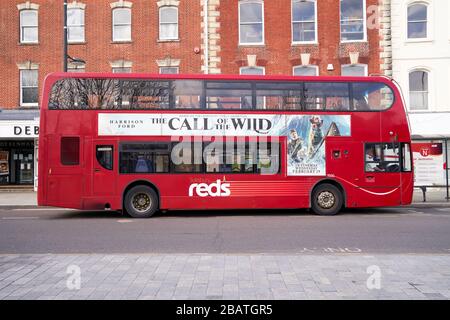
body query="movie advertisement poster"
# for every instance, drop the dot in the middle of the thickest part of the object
(428, 164)
(306, 142)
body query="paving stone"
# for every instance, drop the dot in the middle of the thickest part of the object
(224, 276)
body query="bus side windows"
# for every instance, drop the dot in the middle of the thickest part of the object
(371, 96)
(327, 96)
(70, 151)
(144, 157)
(104, 155)
(382, 157)
(114, 93)
(406, 157)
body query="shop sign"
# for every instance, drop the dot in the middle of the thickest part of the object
(19, 129)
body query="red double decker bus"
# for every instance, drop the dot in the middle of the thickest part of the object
(142, 143)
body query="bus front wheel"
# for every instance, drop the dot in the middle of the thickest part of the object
(141, 202)
(326, 200)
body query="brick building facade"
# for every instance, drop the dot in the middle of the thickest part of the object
(312, 37)
(280, 52)
(142, 52)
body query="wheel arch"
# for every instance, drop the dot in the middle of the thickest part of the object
(329, 181)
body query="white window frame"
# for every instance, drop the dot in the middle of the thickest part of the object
(429, 36)
(365, 66)
(311, 66)
(315, 23)
(127, 24)
(22, 104)
(81, 25)
(364, 24)
(428, 72)
(262, 23)
(35, 26)
(161, 23)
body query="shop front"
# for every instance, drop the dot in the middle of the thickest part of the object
(18, 152)
(431, 151)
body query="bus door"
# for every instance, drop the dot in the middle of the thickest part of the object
(65, 170)
(382, 171)
(104, 167)
(382, 164)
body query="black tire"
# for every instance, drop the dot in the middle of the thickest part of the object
(141, 202)
(327, 200)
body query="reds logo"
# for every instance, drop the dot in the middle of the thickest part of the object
(218, 189)
(424, 152)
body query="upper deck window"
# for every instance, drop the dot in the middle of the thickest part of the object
(327, 96)
(369, 96)
(94, 94)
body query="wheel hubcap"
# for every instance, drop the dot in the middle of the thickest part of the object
(326, 199)
(141, 202)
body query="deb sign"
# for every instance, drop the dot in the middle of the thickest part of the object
(428, 164)
(19, 129)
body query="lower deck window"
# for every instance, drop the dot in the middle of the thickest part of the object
(382, 157)
(70, 151)
(200, 157)
(144, 158)
(104, 156)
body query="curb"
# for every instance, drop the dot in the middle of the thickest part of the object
(430, 205)
(21, 206)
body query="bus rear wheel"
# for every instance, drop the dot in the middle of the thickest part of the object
(141, 202)
(326, 200)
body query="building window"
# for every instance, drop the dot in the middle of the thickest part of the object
(29, 88)
(306, 71)
(76, 68)
(28, 26)
(417, 21)
(168, 70)
(304, 21)
(353, 22)
(75, 25)
(122, 24)
(418, 90)
(251, 22)
(252, 71)
(121, 70)
(168, 23)
(354, 70)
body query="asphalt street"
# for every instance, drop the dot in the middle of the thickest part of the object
(409, 230)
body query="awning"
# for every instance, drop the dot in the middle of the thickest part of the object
(11, 115)
(430, 125)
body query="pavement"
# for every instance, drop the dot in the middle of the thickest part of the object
(385, 253)
(22, 198)
(218, 276)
